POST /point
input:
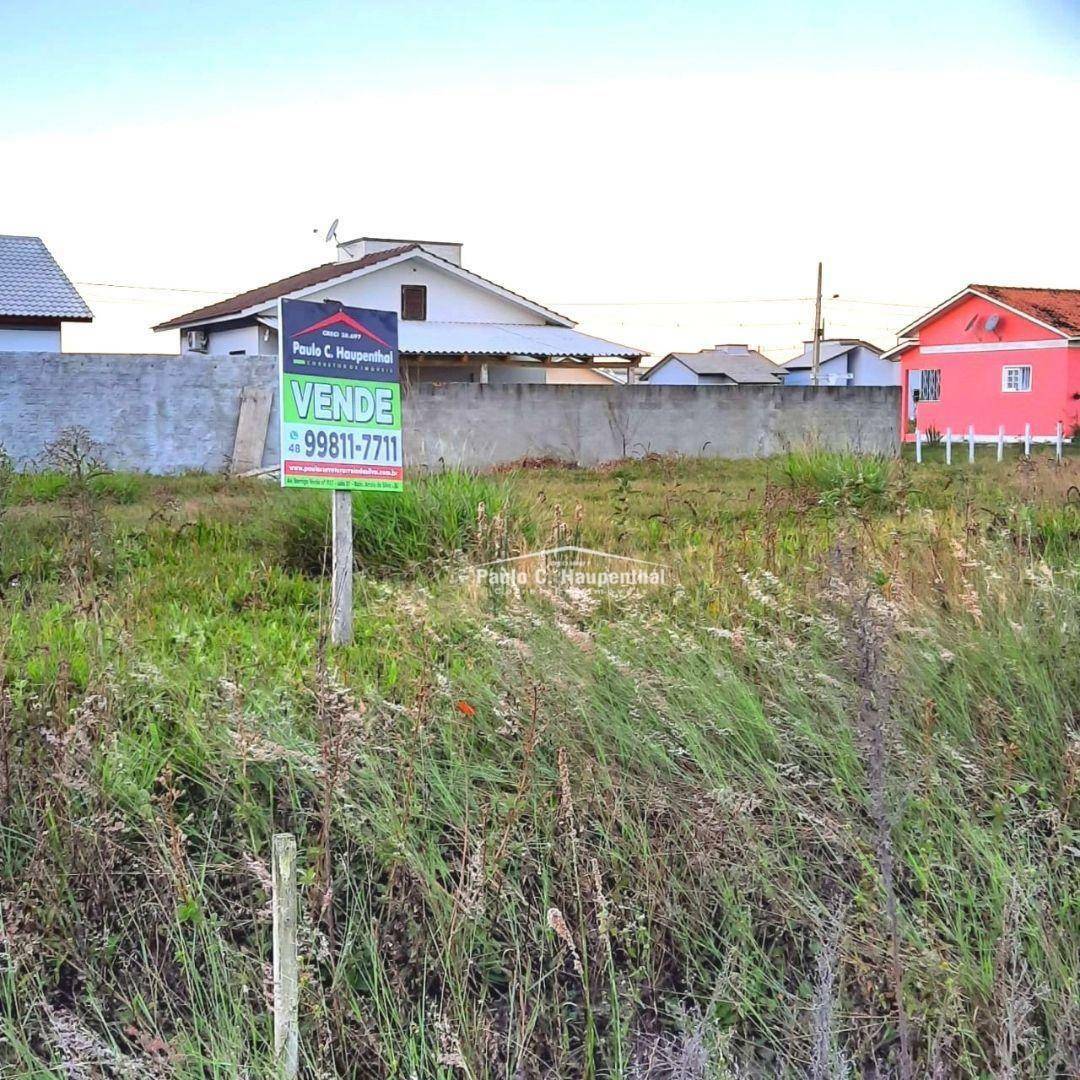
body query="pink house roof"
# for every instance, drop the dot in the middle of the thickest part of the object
(1057, 308)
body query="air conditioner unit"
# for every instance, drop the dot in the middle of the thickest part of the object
(197, 341)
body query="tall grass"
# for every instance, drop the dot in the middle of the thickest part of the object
(635, 834)
(434, 518)
(842, 478)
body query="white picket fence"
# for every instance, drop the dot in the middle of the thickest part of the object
(971, 438)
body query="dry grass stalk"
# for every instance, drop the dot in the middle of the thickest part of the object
(566, 796)
(76, 455)
(84, 1055)
(1014, 993)
(827, 1060)
(176, 842)
(557, 922)
(339, 719)
(870, 632)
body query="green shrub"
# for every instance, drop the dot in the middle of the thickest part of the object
(432, 519)
(38, 487)
(841, 478)
(1054, 531)
(123, 488)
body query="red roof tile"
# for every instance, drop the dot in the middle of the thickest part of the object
(265, 293)
(1059, 308)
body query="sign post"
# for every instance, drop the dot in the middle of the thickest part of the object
(286, 981)
(339, 396)
(341, 563)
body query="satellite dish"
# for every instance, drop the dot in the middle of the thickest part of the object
(993, 322)
(970, 323)
(331, 233)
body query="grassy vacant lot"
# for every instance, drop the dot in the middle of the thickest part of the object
(808, 810)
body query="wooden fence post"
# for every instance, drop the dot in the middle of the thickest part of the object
(341, 581)
(1027, 440)
(971, 444)
(918, 446)
(1001, 442)
(286, 984)
(948, 446)
(1059, 446)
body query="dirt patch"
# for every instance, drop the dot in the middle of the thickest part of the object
(535, 463)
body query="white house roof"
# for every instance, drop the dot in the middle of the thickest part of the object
(33, 286)
(498, 339)
(264, 298)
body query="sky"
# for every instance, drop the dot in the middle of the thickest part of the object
(668, 174)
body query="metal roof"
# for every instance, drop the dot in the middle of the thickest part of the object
(743, 366)
(830, 350)
(394, 240)
(33, 286)
(504, 339)
(498, 339)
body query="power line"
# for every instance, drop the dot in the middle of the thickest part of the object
(743, 300)
(563, 303)
(678, 303)
(877, 303)
(153, 288)
(145, 301)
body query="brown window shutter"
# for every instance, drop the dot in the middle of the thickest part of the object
(414, 302)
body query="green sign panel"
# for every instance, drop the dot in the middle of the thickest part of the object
(340, 395)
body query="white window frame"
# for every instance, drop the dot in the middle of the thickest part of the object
(922, 385)
(1022, 373)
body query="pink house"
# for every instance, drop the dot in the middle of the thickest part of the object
(993, 357)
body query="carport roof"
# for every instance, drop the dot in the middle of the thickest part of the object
(499, 339)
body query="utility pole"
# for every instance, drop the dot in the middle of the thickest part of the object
(817, 329)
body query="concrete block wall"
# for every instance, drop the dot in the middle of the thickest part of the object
(167, 414)
(479, 425)
(156, 414)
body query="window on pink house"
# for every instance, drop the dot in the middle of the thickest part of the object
(1016, 380)
(930, 384)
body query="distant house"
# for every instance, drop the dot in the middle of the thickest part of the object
(584, 375)
(844, 362)
(36, 297)
(454, 325)
(723, 365)
(993, 357)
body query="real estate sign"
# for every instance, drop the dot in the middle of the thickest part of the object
(340, 397)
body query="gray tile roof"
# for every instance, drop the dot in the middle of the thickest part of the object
(33, 286)
(740, 365)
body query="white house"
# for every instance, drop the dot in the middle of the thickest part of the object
(454, 324)
(843, 362)
(36, 297)
(722, 365)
